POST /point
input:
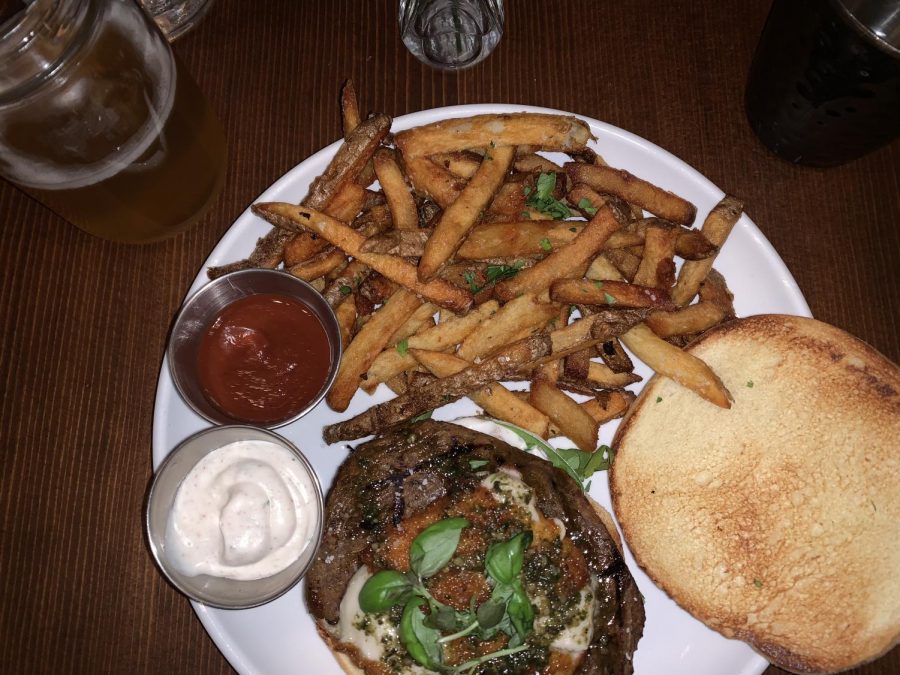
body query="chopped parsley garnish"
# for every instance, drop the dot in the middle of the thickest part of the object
(525, 215)
(543, 200)
(598, 283)
(585, 205)
(659, 399)
(750, 383)
(403, 347)
(610, 300)
(546, 245)
(492, 274)
(757, 583)
(424, 416)
(345, 290)
(477, 463)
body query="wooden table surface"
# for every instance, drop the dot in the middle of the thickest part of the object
(85, 321)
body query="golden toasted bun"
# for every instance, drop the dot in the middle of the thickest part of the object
(348, 658)
(776, 522)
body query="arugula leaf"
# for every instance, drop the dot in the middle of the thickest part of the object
(403, 347)
(435, 546)
(578, 464)
(420, 640)
(383, 590)
(543, 200)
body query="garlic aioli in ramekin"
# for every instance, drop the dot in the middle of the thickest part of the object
(245, 511)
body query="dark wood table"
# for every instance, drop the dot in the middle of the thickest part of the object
(85, 321)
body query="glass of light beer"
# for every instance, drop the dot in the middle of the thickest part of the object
(102, 123)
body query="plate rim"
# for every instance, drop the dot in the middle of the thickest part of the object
(237, 230)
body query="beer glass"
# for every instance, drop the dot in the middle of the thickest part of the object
(100, 122)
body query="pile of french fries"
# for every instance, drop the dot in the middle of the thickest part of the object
(477, 262)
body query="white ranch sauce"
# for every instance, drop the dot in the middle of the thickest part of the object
(245, 511)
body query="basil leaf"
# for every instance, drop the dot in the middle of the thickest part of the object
(503, 561)
(383, 590)
(445, 618)
(521, 615)
(435, 545)
(490, 614)
(420, 640)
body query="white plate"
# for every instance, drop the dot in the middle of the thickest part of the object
(280, 637)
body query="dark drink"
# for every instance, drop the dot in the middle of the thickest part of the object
(822, 91)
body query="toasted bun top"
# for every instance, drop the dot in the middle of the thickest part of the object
(778, 521)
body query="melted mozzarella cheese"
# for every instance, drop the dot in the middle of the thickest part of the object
(371, 634)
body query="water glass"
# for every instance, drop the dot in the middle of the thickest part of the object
(451, 34)
(176, 17)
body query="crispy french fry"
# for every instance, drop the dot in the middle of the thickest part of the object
(509, 205)
(615, 357)
(422, 318)
(499, 240)
(561, 262)
(405, 243)
(601, 375)
(350, 241)
(463, 164)
(501, 366)
(367, 344)
(657, 268)
(576, 365)
(349, 108)
(399, 198)
(460, 216)
(437, 338)
(634, 191)
(532, 163)
(515, 320)
(608, 406)
(348, 281)
(602, 269)
(496, 400)
(433, 181)
(609, 293)
(318, 266)
(346, 318)
(573, 421)
(692, 319)
(715, 290)
(344, 167)
(627, 263)
(672, 362)
(346, 204)
(716, 228)
(549, 132)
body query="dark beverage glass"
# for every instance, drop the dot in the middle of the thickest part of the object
(824, 87)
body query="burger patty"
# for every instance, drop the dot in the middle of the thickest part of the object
(397, 475)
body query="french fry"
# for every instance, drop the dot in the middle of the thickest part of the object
(576, 365)
(460, 216)
(716, 228)
(657, 268)
(672, 362)
(350, 241)
(349, 108)
(496, 400)
(463, 164)
(433, 181)
(441, 337)
(501, 366)
(602, 269)
(354, 274)
(601, 375)
(572, 421)
(615, 357)
(609, 293)
(319, 265)
(532, 163)
(346, 204)
(627, 263)
(496, 240)
(715, 290)
(399, 198)
(422, 318)
(344, 167)
(634, 191)
(609, 406)
(692, 319)
(561, 262)
(515, 320)
(405, 243)
(345, 313)
(549, 132)
(509, 205)
(367, 344)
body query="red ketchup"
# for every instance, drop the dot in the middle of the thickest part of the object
(264, 358)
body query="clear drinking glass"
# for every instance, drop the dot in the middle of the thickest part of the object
(451, 34)
(176, 17)
(100, 121)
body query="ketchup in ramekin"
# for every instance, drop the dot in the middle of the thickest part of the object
(264, 358)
